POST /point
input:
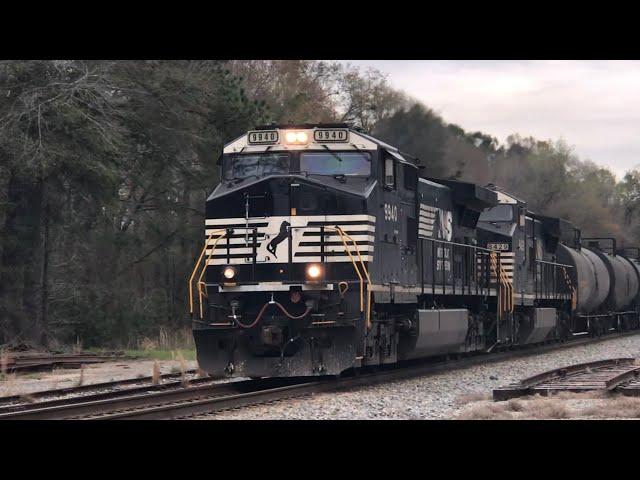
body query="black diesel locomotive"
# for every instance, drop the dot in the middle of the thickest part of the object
(325, 250)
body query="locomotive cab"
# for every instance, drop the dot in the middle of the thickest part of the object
(502, 229)
(527, 246)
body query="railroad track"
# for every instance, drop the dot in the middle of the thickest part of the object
(141, 402)
(144, 382)
(617, 374)
(98, 391)
(21, 362)
(205, 396)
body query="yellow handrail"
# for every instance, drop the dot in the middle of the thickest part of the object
(506, 281)
(510, 290)
(195, 269)
(204, 269)
(574, 296)
(344, 235)
(494, 269)
(353, 261)
(193, 273)
(364, 268)
(505, 300)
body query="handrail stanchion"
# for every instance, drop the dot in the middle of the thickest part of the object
(204, 269)
(255, 254)
(195, 269)
(364, 269)
(433, 267)
(290, 251)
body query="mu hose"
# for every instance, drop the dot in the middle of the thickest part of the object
(264, 307)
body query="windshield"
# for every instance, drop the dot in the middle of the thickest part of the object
(336, 163)
(243, 166)
(499, 213)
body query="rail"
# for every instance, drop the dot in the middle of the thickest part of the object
(461, 268)
(195, 269)
(598, 375)
(548, 279)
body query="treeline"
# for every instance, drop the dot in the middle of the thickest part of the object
(105, 167)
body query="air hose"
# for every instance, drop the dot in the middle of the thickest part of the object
(264, 307)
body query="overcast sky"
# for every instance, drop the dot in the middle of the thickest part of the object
(593, 105)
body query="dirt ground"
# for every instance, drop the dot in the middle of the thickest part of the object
(17, 384)
(564, 406)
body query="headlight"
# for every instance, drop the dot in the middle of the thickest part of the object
(290, 137)
(293, 136)
(314, 271)
(229, 273)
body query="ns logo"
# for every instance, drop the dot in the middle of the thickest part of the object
(444, 225)
(283, 234)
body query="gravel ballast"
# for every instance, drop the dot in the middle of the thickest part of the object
(438, 396)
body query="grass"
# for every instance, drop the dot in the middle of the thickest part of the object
(537, 409)
(616, 407)
(595, 405)
(486, 411)
(472, 397)
(166, 345)
(158, 354)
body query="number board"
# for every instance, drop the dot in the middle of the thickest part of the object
(263, 137)
(502, 247)
(328, 135)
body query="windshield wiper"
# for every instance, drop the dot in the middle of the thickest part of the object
(237, 180)
(334, 175)
(332, 153)
(234, 180)
(341, 177)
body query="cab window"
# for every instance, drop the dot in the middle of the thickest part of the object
(244, 166)
(336, 163)
(499, 213)
(410, 177)
(389, 173)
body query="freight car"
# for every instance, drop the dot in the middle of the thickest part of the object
(607, 285)
(327, 249)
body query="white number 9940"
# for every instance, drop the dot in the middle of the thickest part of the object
(390, 212)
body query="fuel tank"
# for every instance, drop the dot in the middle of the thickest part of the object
(590, 275)
(624, 280)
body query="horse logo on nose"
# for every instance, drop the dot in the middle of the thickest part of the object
(278, 239)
